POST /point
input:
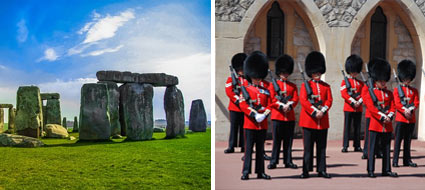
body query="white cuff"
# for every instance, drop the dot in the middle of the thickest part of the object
(412, 108)
(236, 97)
(343, 87)
(352, 99)
(390, 114)
(267, 112)
(324, 108)
(382, 114)
(361, 100)
(290, 102)
(315, 109)
(228, 85)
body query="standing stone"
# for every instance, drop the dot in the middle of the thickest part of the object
(94, 116)
(114, 102)
(174, 111)
(75, 126)
(197, 117)
(64, 123)
(29, 115)
(1, 120)
(137, 110)
(53, 112)
(12, 116)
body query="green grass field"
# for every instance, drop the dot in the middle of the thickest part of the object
(183, 163)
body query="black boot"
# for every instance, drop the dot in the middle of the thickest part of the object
(229, 150)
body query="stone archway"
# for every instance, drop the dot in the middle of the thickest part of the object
(11, 117)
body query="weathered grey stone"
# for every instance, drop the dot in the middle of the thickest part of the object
(326, 9)
(47, 96)
(64, 123)
(55, 131)
(94, 116)
(136, 110)
(1, 120)
(158, 130)
(114, 102)
(12, 118)
(174, 111)
(29, 115)
(197, 117)
(53, 112)
(156, 79)
(75, 125)
(6, 105)
(19, 141)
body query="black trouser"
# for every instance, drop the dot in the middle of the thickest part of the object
(311, 136)
(258, 137)
(366, 137)
(236, 126)
(386, 141)
(352, 119)
(403, 131)
(282, 130)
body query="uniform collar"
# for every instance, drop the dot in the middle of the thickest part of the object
(316, 81)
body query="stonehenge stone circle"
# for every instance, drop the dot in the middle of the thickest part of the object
(155, 79)
(75, 126)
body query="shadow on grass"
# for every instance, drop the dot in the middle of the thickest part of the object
(110, 141)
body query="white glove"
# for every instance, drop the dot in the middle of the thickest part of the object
(260, 117)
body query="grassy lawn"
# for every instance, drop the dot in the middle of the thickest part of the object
(183, 163)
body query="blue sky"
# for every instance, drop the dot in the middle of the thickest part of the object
(60, 45)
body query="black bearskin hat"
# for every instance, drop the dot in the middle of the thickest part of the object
(237, 61)
(353, 64)
(315, 63)
(406, 70)
(284, 64)
(256, 65)
(380, 69)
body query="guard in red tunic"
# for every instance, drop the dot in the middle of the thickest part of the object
(380, 103)
(316, 100)
(236, 116)
(406, 102)
(284, 100)
(255, 105)
(353, 106)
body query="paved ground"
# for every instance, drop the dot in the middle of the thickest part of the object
(348, 171)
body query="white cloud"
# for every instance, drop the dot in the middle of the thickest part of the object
(49, 55)
(22, 31)
(2, 67)
(102, 51)
(105, 28)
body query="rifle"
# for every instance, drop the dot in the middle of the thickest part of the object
(245, 93)
(348, 85)
(404, 101)
(235, 80)
(373, 96)
(280, 95)
(310, 95)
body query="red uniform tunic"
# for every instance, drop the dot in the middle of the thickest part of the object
(323, 91)
(289, 89)
(387, 98)
(412, 95)
(365, 91)
(232, 96)
(356, 87)
(261, 95)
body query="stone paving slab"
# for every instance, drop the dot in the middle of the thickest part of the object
(348, 170)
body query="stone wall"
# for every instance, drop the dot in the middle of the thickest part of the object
(405, 48)
(231, 10)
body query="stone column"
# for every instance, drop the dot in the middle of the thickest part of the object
(53, 112)
(174, 111)
(11, 125)
(136, 110)
(75, 126)
(64, 123)
(94, 116)
(113, 100)
(29, 116)
(197, 117)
